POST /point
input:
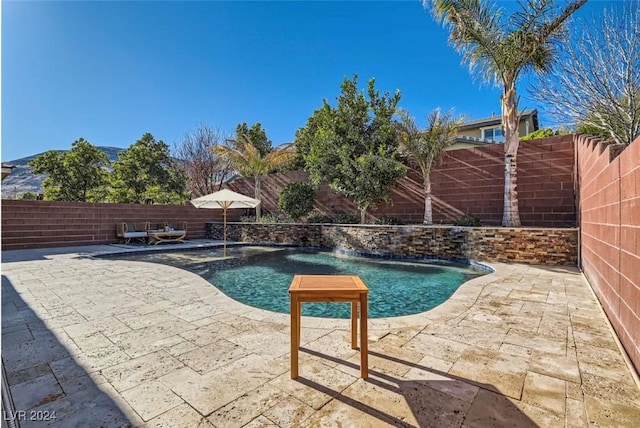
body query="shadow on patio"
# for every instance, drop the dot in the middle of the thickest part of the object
(46, 383)
(422, 397)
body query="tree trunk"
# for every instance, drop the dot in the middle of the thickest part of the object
(256, 194)
(363, 214)
(510, 123)
(428, 211)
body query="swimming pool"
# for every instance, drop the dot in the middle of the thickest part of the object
(260, 277)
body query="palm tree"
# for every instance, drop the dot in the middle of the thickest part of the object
(246, 159)
(500, 50)
(427, 146)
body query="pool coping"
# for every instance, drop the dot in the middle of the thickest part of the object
(461, 294)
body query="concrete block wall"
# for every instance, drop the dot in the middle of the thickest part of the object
(37, 224)
(609, 191)
(521, 245)
(467, 181)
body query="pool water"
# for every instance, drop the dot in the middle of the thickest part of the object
(261, 278)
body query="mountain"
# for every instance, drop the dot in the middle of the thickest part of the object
(23, 180)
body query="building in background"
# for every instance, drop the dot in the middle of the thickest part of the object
(485, 131)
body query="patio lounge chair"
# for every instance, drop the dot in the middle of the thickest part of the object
(128, 231)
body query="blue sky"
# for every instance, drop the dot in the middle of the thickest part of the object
(111, 71)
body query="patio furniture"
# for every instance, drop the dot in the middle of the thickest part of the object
(225, 199)
(170, 232)
(330, 288)
(128, 231)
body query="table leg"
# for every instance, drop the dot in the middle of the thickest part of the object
(295, 338)
(299, 336)
(354, 325)
(364, 351)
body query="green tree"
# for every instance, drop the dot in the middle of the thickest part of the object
(303, 139)
(76, 175)
(247, 160)
(500, 50)
(353, 147)
(146, 171)
(297, 199)
(28, 196)
(588, 128)
(256, 134)
(427, 146)
(542, 133)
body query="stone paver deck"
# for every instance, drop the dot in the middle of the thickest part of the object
(100, 342)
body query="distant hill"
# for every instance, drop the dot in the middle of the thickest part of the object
(23, 180)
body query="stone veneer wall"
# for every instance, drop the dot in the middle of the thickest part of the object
(522, 245)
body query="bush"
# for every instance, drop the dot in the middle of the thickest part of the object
(319, 218)
(469, 220)
(347, 218)
(297, 199)
(275, 218)
(542, 133)
(389, 220)
(267, 218)
(28, 196)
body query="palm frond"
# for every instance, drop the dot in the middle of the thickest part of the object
(475, 32)
(426, 146)
(497, 50)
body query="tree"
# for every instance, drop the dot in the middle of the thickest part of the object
(247, 160)
(28, 196)
(543, 133)
(297, 199)
(77, 175)
(587, 127)
(146, 171)
(256, 134)
(353, 147)
(597, 83)
(427, 146)
(204, 170)
(500, 50)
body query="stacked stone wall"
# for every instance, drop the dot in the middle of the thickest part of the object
(522, 245)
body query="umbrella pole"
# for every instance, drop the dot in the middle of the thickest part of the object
(224, 233)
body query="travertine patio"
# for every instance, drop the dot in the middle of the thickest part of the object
(104, 342)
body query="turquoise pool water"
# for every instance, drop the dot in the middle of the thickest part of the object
(260, 277)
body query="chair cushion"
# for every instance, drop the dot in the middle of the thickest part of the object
(131, 227)
(135, 234)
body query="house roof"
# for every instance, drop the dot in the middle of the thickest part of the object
(473, 140)
(495, 120)
(6, 169)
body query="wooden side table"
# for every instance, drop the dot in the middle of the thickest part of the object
(330, 288)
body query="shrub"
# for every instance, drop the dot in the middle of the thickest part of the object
(389, 220)
(319, 218)
(297, 199)
(542, 133)
(347, 218)
(469, 220)
(275, 218)
(28, 196)
(248, 219)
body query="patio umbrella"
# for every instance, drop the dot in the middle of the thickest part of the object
(225, 199)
